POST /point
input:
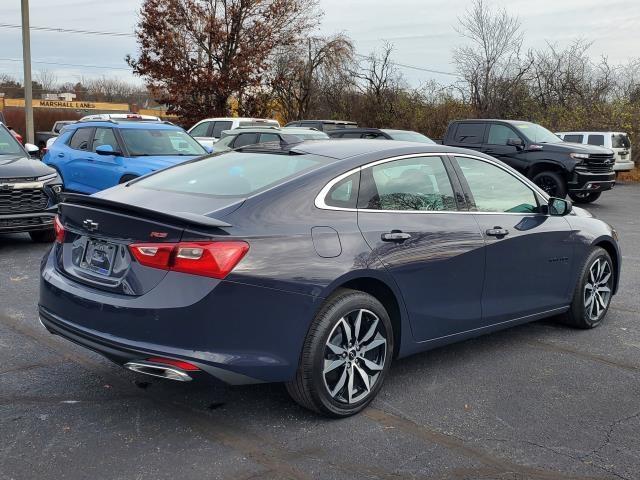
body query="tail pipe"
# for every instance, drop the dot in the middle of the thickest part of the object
(157, 370)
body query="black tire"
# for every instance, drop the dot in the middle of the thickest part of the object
(43, 236)
(311, 388)
(126, 178)
(552, 183)
(585, 197)
(580, 314)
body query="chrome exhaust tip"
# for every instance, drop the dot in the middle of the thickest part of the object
(157, 370)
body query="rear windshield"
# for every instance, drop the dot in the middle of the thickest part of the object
(231, 174)
(620, 140)
(152, 142)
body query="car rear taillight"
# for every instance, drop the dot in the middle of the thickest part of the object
(209, 259)
(190, 367)
(59, 228)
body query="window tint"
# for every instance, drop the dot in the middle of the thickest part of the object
(351, 135)
(418, 183)
(574, 138)
(269, 137)
(495, 190)
(596, 140)
(246, 139)
(469, 133)
(219, 127)
(105, 136)
(200, 130)
(344, 193)
(81, 139)
(500, 134)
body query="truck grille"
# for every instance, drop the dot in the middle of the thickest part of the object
(23, 200)
(600, 163)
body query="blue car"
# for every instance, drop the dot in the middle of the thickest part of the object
(93, 155)
(318, 264)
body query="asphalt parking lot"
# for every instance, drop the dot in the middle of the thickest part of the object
(539, 401)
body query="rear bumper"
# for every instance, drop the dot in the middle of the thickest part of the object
(234, 332)
(591, 182)
(623, 165)
(26, 222)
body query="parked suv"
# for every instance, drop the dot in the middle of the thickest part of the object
(243, 136)
(381, 134)
(582, 171)
(93, 155)
(27, 189)
(208, 131)
(322, 125)
(616, 141)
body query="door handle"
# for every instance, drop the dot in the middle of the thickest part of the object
(497, 232)
(395, 236)
(60, 155)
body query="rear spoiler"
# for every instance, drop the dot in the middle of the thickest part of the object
(181, 218)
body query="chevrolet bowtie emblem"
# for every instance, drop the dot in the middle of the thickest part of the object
(90, 225)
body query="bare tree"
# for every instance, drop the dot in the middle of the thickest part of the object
(47, 80)
(492, 66)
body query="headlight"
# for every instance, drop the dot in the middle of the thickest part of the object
(580, 156)
(47, 178)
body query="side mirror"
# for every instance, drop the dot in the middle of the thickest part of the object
(106, 150)
(32, 150)
(208, 148)
(516, 142)
(559, 207)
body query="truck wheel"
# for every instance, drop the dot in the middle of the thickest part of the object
(345, 357)
(552, 183)
(580, 197)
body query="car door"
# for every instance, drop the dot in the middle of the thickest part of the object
(528, 252)
(103, 171)
(73, 160)
(497, 145)
(408, 215)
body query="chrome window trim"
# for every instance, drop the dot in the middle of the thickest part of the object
(320, 198)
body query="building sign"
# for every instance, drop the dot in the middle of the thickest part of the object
(19, 102)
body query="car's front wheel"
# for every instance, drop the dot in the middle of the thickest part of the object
(552, 183)
(346, 355)
(593, 293)
(585, 197)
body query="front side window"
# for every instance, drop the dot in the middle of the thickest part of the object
(81, 139)
(104, 136)
(245, 139)
(269, 137)
(200, 130)
(596, 140)
(495, 190)
(500, 135)
(470, 133)
(420, 183)
(156, 142)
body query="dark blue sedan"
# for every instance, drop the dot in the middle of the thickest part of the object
(316, 265)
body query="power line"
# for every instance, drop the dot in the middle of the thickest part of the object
(413, 67)
(70, 30)
(104, 67)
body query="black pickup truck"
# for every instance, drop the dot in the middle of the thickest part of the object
(42, 137)
(558, 167)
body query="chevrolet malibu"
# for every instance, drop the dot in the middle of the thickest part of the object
(318, 265)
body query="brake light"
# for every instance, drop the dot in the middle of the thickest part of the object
(209, 259)
(175, 363)
(59, 229)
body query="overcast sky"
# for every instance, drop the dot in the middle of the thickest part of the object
(422, 31)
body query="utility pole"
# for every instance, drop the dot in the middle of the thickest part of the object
(26, 59)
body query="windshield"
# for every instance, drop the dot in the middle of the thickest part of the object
(537, 134)
(231, 174)
(152, 142)
(8, 144)
(410, 137)
(620, 140)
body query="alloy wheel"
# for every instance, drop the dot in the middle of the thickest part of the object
(597, 290)
(548, 184)
(354, 356)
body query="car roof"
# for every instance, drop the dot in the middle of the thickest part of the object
(355, 130)
(343, 149)
(233, 119)
(282, 130)
(490, 120)
(348, 122)
(590, 132)
(124, 124)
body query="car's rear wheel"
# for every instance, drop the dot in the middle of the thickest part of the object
(346, 355)
(585, 197)
(593, 293)
(43, 236)
(552, 183)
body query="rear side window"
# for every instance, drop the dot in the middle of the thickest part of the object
(469, 133)
(573, 138)
(620, 140)
(81, 139)
(344, 193)
(596, 140)
(200, 130)
(269, 137)
(419, 183)
(231, 174)
(219, 127)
